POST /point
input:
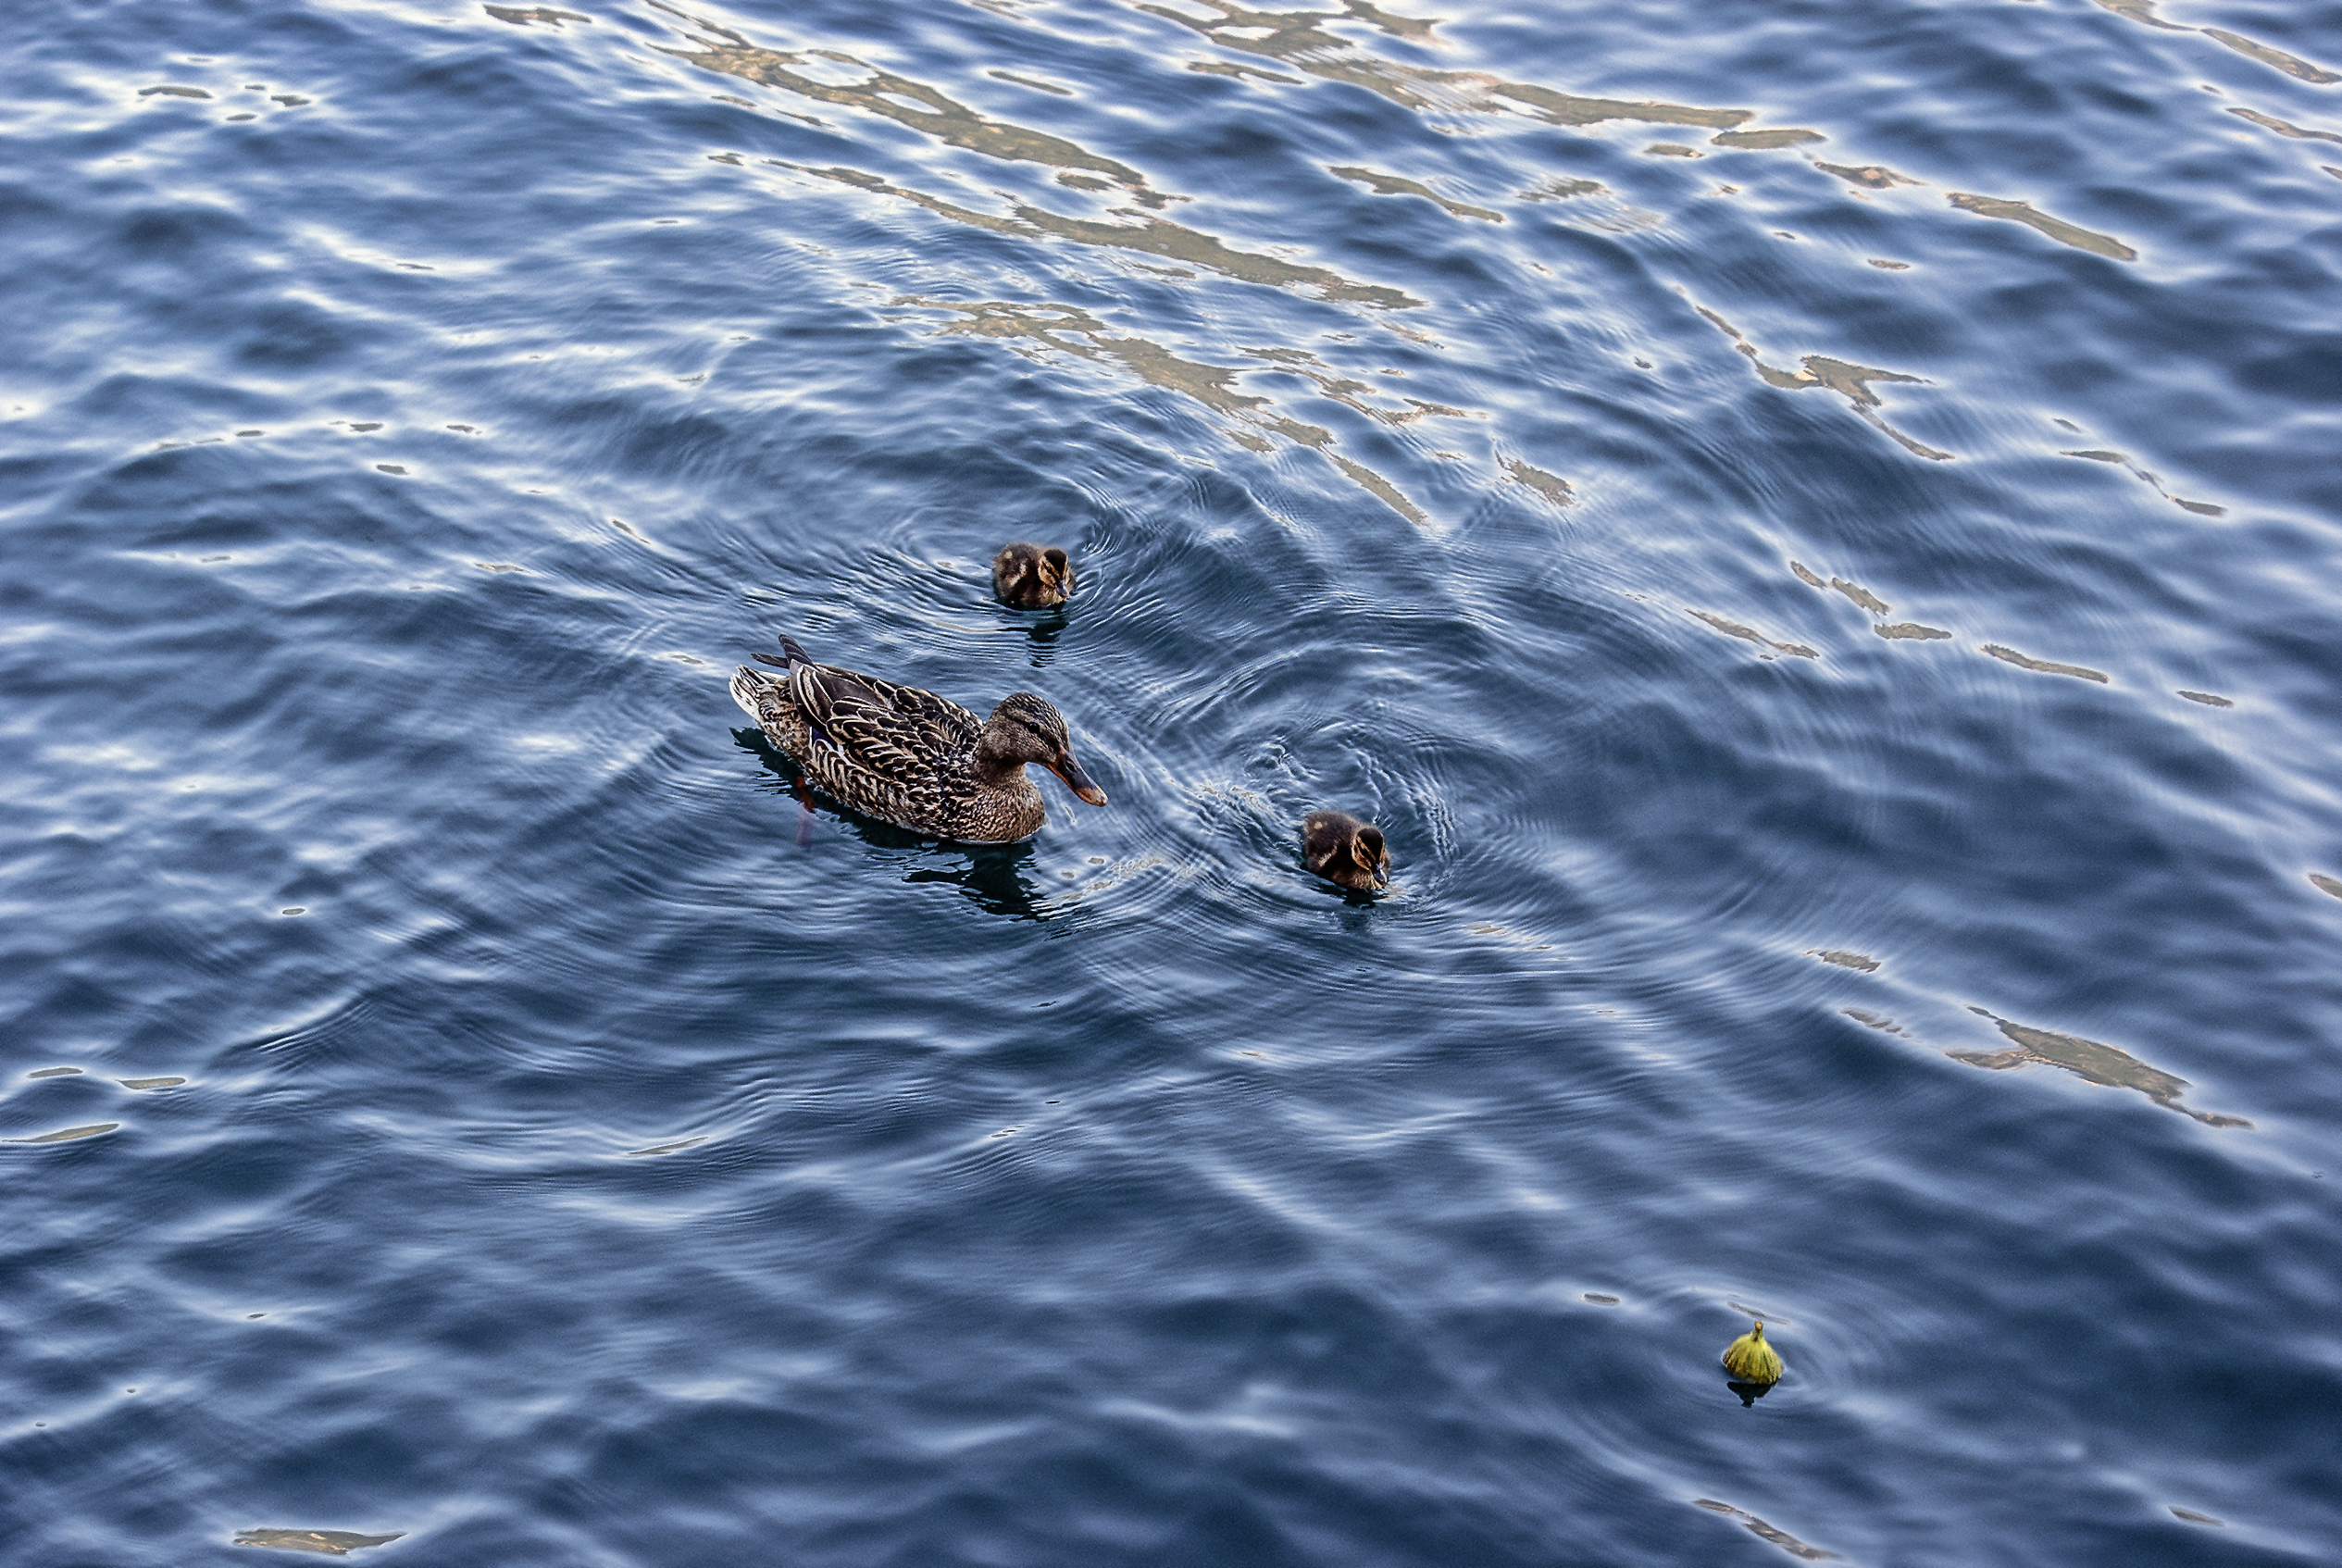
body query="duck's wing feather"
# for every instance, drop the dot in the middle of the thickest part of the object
(896, 732)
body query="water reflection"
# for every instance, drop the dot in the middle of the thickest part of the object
(927, 109)
(1073, 331)
(2057, 229)
(1042, 628)
(522, 16)
(2285, 127)
(1750, 634)
(68, 1135)
(988, 873)
(1761, 141)
(2044, 666)
(810, 73)
(1397, 185)
(2140, 11)
(326, 1543)
(1850, 381)
(2201, 508)
(2096, 1062)
(1299, 40)
(1870, 176)
(1150, 236)
(1758, 1528)
(2291, 65)
(2143, 11)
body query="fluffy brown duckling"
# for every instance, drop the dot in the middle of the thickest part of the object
(1345, 850)
(1031, 576)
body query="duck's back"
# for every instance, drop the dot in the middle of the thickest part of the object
(897, 752)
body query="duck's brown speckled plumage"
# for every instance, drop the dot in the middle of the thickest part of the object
(1031, 576)
(1345, 850)
(908, 756)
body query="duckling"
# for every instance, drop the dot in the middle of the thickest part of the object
(1031, 576)
(1345, 850)
(908, 756)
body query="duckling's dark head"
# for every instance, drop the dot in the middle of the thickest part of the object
(1032, 576)
(1369, 852)
(1029, 728)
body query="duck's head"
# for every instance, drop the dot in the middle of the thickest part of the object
(1371, 858)
(1028, 729)
(1032, 576)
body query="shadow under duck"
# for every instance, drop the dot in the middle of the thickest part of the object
(908, 756)
(1345, 850)
(1031, 576)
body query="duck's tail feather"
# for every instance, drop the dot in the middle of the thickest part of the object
(750, 688)
(797, 654)
(773, 659)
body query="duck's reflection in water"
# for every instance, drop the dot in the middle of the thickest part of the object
(1042, 627)
(992, 875)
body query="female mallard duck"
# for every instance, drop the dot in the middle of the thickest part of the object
(908, 756)
(1345, 850)
(1031, 576)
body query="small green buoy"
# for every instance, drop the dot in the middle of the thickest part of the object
(1750, 1360)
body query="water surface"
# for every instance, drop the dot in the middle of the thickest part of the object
(1811, 527)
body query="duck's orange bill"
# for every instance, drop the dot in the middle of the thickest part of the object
(1077, 781)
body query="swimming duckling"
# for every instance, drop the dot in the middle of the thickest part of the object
(1345, 850)
(908, 756)
(1750, 1360)
(1031, 576)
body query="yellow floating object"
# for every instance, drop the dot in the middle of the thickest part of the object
(1750, 1360)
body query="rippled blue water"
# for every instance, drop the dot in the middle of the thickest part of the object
(1813, 525)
